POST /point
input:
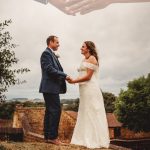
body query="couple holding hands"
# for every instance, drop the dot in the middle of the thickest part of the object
(91, 129)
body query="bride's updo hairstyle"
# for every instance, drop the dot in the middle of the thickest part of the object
(92, 49)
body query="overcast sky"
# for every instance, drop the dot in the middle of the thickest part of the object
(121, 33)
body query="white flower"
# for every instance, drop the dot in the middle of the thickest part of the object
(57, 55)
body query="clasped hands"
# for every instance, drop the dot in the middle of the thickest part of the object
(70, 80)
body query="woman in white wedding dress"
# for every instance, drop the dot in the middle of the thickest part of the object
(91, 129)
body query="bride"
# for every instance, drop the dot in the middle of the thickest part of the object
(91, 129)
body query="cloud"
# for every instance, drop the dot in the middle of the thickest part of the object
(120, 31)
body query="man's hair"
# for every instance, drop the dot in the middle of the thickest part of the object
(51, 38)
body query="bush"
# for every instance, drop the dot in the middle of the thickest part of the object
(109, 102)
(133, 105)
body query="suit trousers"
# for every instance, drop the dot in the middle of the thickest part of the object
(52, 115)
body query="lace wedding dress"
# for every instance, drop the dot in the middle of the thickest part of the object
(91, 129)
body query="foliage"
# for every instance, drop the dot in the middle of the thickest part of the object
(8, 108)
(109, 101)
(2, 147)
(32, 104)
(133, 105)
(71, 105)
(7, 59)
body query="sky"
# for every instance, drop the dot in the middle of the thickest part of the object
(121, 33)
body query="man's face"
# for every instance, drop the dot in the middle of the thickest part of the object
(54, 45)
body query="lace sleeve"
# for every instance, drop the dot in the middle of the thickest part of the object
(90, 65)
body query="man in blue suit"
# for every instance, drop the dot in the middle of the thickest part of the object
(52, 84)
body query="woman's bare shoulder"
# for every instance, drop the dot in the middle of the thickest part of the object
(92, 60)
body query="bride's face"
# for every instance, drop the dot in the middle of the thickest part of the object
(84, 49)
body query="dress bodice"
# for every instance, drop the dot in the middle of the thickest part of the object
(83, 70)
(84, 65)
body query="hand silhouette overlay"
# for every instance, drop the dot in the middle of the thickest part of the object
(72, 7)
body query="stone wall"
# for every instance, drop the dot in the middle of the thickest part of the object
(34, 116)
(111, 133)
(5, 123)
(31, 120)
(128, 134)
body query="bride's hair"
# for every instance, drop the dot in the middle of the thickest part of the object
(92, 49)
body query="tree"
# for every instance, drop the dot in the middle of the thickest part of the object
(70, 104)
(7, 59)
(133, 105)
(7, 110)
(109, 101)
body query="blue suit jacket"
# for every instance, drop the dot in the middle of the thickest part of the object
(53, 77)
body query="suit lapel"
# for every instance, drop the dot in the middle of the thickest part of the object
(55, 58)
(57, 61)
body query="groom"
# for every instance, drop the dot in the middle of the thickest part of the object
(52, 84)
